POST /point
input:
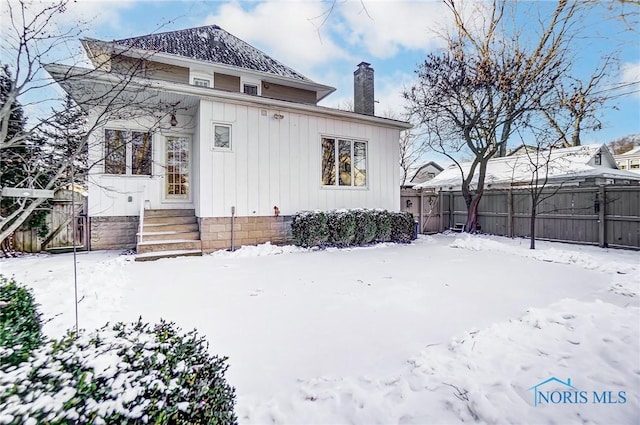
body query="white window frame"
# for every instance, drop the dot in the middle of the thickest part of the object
(215, 124)
(251, 82)
(200, 75)
(337, 185)
(128, 152)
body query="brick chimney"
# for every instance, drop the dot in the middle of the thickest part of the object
(363, 90)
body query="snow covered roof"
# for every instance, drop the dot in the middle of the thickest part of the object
(211, 44)
(564, 165)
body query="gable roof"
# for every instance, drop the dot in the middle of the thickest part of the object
(568, 164)
(211, 44)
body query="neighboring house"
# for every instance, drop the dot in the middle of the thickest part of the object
(580, 165)
(421, 174)
(245, 147)
(629, 160)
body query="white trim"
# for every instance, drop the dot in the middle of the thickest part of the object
(250, 82)
(352, 141)
(213, 146)
(165, 197)
(202, 76)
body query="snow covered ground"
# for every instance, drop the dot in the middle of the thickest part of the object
(449, 329)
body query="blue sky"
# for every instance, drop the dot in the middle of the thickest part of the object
(394, 36)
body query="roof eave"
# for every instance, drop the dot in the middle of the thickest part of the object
(69, 73)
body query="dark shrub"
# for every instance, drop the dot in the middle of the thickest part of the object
(383, 225)
(309, 228)
(365, 227)
(402, 227)
(121, 374)
(20, 323)
(342, 228)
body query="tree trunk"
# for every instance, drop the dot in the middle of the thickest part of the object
(532, 245)
(472, 214)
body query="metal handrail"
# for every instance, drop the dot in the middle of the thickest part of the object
(141, 222)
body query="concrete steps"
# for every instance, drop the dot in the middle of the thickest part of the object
(167, 234)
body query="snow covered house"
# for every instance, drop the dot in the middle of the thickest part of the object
(421, 174)
(574, 166)
(241, 144)
(629, 160)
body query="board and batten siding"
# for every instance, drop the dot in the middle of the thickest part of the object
(277, 162)
(109, 194)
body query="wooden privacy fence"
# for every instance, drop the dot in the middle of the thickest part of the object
(60, 222)
(599, 215)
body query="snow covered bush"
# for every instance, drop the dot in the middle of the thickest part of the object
(366, 228)
(342, 228)
(309, 228)
(121, 374)
(402, 227)
(383, 225)
(20, 323)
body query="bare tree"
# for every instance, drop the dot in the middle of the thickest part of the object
(624, 144)
(476, 93)
(31, 42)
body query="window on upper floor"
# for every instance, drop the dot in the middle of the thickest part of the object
(344, 162)
(127, 152)
(201, 82)
(251, 89)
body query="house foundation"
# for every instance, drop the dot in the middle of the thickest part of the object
(216, 232)
(113, 232)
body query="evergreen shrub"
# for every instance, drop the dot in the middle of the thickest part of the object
(122, 374)
(20, 323)
(402, 227)
(310, 228)
(365, 227)
(342, 228)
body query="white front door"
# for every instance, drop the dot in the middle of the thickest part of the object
(177, 168)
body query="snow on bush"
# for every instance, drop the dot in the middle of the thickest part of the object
(309, 228)
(20, 324)
(125, 373)
(135, 373)
(343, 228)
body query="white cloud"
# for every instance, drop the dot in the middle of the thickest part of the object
(384, 27)
(283, 30)
(631, 75)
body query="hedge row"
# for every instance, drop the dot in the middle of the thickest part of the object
(342, 228)
(120, 374)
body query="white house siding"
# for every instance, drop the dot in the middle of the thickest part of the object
(277, 163)
(109, 194)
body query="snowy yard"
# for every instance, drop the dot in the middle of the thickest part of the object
(451, 328)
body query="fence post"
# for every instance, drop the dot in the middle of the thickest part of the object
(510, 213)
(421, 214)
(441, 210)
(602, 225)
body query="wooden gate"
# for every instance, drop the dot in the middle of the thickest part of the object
(66, 222)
